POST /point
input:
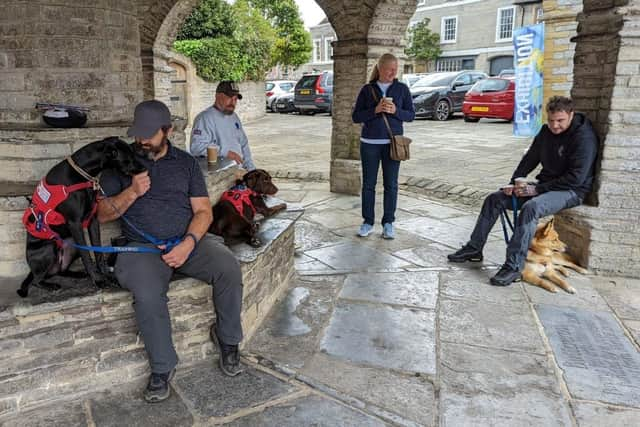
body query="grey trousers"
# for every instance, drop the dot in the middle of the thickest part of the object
(147, 277)
(531, 210)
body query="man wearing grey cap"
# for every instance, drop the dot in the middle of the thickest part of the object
(170, 203)
(219, 125)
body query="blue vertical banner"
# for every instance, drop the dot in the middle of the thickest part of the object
(528, 45)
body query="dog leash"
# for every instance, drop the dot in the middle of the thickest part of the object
(169, 243)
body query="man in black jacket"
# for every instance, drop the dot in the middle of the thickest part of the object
(567, 148)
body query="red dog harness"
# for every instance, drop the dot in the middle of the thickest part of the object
(239, 195)
(41, 214)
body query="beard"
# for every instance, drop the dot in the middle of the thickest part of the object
(150, 151)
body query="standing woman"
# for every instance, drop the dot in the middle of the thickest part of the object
(384, 94)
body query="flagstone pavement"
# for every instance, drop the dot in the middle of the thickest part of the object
(377, 332)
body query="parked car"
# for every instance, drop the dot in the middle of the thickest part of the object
(284, 103)
(411, 79)
(275, 88)
(491, 98)
(314, 93)
(507, 72)
(439, 95)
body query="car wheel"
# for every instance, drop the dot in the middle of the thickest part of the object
(443, 111)
(469, 119)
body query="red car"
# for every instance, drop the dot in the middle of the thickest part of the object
(491, 98)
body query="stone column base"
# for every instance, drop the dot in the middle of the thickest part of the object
(346, 176)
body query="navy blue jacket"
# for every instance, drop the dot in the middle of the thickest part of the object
(568, 159)
(373, 124)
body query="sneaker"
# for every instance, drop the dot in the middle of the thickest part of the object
(365, 230)
(505, 276)
(229, 355)
(466, 253)
(387, 231)
(158, 388)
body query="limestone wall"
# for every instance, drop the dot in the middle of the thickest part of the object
(64, 51)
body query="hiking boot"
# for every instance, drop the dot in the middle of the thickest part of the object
(158, 388)
(387, 231)
(365, 230)
(505, 276)
(229, 355)
(466, 253)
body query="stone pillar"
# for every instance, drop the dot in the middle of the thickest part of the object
(607, 88)
(350, 73)
(561, 21)
(354, 58)
(84, 54)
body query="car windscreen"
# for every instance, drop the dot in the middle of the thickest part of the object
(434, 80)
(490, 85)
(307, 82)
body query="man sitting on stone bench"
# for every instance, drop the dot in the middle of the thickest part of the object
(567, 148)
(170, 201)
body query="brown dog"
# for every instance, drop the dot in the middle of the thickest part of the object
(234, 213)
(546, 258)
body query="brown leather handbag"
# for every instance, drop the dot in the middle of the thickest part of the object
(399, 143)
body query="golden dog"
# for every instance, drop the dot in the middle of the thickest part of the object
(546, 259)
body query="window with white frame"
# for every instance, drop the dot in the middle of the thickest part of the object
(449, 29)
(452, 64)
(317, 50)
(539, 15)
(504, 23)
(328, 49)
(422, 2)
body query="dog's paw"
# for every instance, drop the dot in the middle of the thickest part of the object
(23, 293)
(255, 242)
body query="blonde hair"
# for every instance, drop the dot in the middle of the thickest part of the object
(384, 59)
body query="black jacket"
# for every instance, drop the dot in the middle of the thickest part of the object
(568, 159)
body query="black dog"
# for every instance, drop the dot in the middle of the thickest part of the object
(48, 256)
(233, 214)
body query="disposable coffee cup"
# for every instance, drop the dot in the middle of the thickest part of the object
(388, 99)
(212, 154)
(520, 182)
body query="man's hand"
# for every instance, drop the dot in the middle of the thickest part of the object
(526, 191)
(232, 155)
(141, 183)
(179, 254)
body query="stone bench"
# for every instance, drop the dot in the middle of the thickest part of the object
(59, 345)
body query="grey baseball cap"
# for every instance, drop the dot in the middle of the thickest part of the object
(229, 88)
(148, 117)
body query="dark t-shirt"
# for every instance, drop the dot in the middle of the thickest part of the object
(165, 210)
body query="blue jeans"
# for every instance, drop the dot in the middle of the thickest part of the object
(371, 155)
(531, 209)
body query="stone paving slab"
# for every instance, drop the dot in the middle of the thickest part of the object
(592, 415)
(212, 394)
(509, 327)
(598, 360)
(59, 415)
(409, 396)
(435, 230)
(419, 289)
(488, 387)
(586, 296)
(128, 408)
(428, 255)
(330, 218)
(274, 341)
(351, 256)
(308, 411)
(387, 337)
(622, 294)
(309, 236)
(473, 285)
(403, 240)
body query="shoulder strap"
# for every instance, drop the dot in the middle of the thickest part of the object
(384, 116)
